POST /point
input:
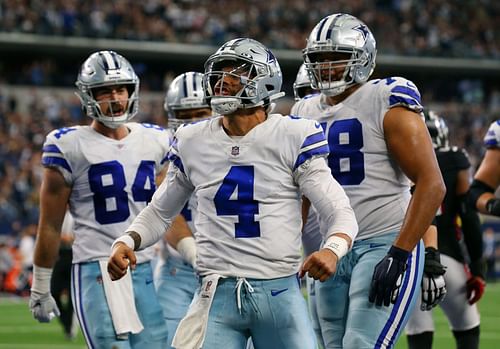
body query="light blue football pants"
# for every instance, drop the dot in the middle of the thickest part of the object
(273, 312)
(91, 308)
(176, 285)
(347, 319)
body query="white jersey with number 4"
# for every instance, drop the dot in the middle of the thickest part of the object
(359, 159)
(111, 181)
(248, 194)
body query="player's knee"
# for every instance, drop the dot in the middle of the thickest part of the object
(468, 339)
(420, 341)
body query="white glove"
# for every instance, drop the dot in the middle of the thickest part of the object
(43, 306)
(433, 291)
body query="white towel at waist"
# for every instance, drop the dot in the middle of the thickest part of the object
(190, 333)
(121, 303)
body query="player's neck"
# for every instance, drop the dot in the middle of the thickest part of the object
(239, 124)
(113, 133)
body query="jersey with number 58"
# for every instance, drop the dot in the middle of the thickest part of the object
(359, 158)
(111, 181)
(248, 193)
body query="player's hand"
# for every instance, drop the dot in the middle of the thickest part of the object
(320, 265)
(433, 284)
(121, 258)
(475, 288)
(388, 277)
(43, 306)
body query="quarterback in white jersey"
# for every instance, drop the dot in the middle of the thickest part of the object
(106, 173)
(487, 177)
(378, 143)
(247, 170)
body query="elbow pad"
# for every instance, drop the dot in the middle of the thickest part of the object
(478, 188)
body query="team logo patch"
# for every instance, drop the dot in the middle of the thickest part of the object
(235, 151)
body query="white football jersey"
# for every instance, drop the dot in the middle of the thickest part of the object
(378, 189)
(111, 181)
(492, 137)
(248, 221)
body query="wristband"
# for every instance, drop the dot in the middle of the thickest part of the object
(337, 245)
(126, 239)
(41, 279)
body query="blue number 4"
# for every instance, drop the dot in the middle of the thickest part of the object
(241, 180)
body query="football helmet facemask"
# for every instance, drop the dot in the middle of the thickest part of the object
(107, 68)
(302, 85)
(343, 35)
(250, 62)
(184, 93)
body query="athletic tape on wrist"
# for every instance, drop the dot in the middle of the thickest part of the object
(337, 245)
(126, 239)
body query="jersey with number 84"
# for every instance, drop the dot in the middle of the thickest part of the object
(111, 181)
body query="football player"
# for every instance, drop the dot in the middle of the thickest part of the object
(106, 173)
(487, 177)
(176, 279)
(247, 169)
(465, 286)
(302, 85)
(378, 144)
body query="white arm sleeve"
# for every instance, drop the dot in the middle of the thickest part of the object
(167, 202)
(328, 197)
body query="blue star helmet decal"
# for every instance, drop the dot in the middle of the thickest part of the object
(362, 29)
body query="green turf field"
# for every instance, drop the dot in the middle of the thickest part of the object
(19, 331)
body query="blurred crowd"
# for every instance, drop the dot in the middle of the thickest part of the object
(427, 27)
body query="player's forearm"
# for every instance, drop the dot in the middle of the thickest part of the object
(328, 198)
(423, 206)
(148, 228)
(46, 247)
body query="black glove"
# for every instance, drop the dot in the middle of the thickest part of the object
(493, 207)
(433, 284)
(388, 277)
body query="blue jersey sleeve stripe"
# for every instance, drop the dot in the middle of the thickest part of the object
(491, 143)
(176, 161)
(405, 90)
(393, 100)
(51, 148)
(314, 138)
(323, 150)
(49, 161)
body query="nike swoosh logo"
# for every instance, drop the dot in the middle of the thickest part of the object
(149, 281)
(390, 259)
(373, 245)
(274, 293)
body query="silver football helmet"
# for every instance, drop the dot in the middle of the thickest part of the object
(342, 34)
(254, 65)
(105, 68)
(437, 129)
(302, 85)
(184, 93)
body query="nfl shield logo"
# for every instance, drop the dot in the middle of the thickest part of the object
(235, 150)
